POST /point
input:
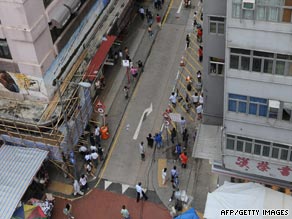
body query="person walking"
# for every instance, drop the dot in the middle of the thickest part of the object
(173, 135)
(188, 40)
(142, 13)
(126, 92)
(142, 150)
(200, 53)
(175, 188)
(94, 157)
(184, 159)
(150, 32)
(83, 182)
(134, 72)
(89, 169)
(185, 138)
(76, 187)
(173, 172)
(125, 213)
(182, 124)
(172, 99)
(97, 134)
(150, 140)
(164, 175)
(100, 153)
(158, 20)
(158, 139)
(140, 192)
(177, 150)
(195, 98)
(68, 211)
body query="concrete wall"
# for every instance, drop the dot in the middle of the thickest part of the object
(214, 46)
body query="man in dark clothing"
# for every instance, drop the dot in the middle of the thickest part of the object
(173, 135)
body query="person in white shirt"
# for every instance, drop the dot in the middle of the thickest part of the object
(140, 192)
(125, 213)
(182, 124)
(142, 150)
(201, 99)
(83, 182)
(199, 111)
(87, 157)
(76, 187)
(94, 157)
(195, 98)
(163, 175)
(172, 99)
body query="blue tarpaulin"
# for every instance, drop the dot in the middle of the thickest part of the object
(189, 214)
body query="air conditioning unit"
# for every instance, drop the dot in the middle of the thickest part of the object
(248, 4)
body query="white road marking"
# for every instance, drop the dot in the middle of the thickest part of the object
(179, 8)
(107, 184)
(124, 188)
(148, 111)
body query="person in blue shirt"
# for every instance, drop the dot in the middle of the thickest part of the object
(158, 139)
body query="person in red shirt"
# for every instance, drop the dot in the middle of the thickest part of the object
(158, 20)
(199, 35)
(184, 159)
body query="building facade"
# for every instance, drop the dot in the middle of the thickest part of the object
(257, 128)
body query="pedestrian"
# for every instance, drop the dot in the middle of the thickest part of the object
(159, 5)
(199, 34)
(125, 213)
(76, 187)
(175, 187)
(94, 157)
(158, 140)
(150, 140)
(164, 175)
(126, 92)
(199, 111)
(158, 20)
(185, 138)
(97, 134)
(172, 99)
(199, 76)
(92, 140)
(68, 211)
(142, 150)
(83, 182)
(200, 53)
(201, 99)
(89, 168)
(134, 72)
(140, 192)
(173, 135)
(82, 150)
(195, 98)
(126, 51)
(87, 157)
(182, 124)
(173, 173)
(120, 54)
(149, 18)
(100, 153)
(177, 150)
(184, 159)
(156, 4)
(150, 32)
(142, 13)
(188, 40)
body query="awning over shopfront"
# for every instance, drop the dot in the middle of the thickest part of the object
(99, 58)
(18, 166)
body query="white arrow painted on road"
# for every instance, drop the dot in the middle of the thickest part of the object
(145, 114)
(179, 8)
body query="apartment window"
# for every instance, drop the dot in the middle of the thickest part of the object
(262, 62)
(4, 50)
(274, 106)
(47, 2)
(216, 25)
(265, 10)
(286, 111)
(216, 66)
(259, 147)
(237, 103)
(257, 106)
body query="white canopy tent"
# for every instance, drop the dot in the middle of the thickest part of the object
(249, 196)
(18, 166)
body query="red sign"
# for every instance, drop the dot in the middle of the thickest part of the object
(263, 166)
(285, 171)
(242, 162)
